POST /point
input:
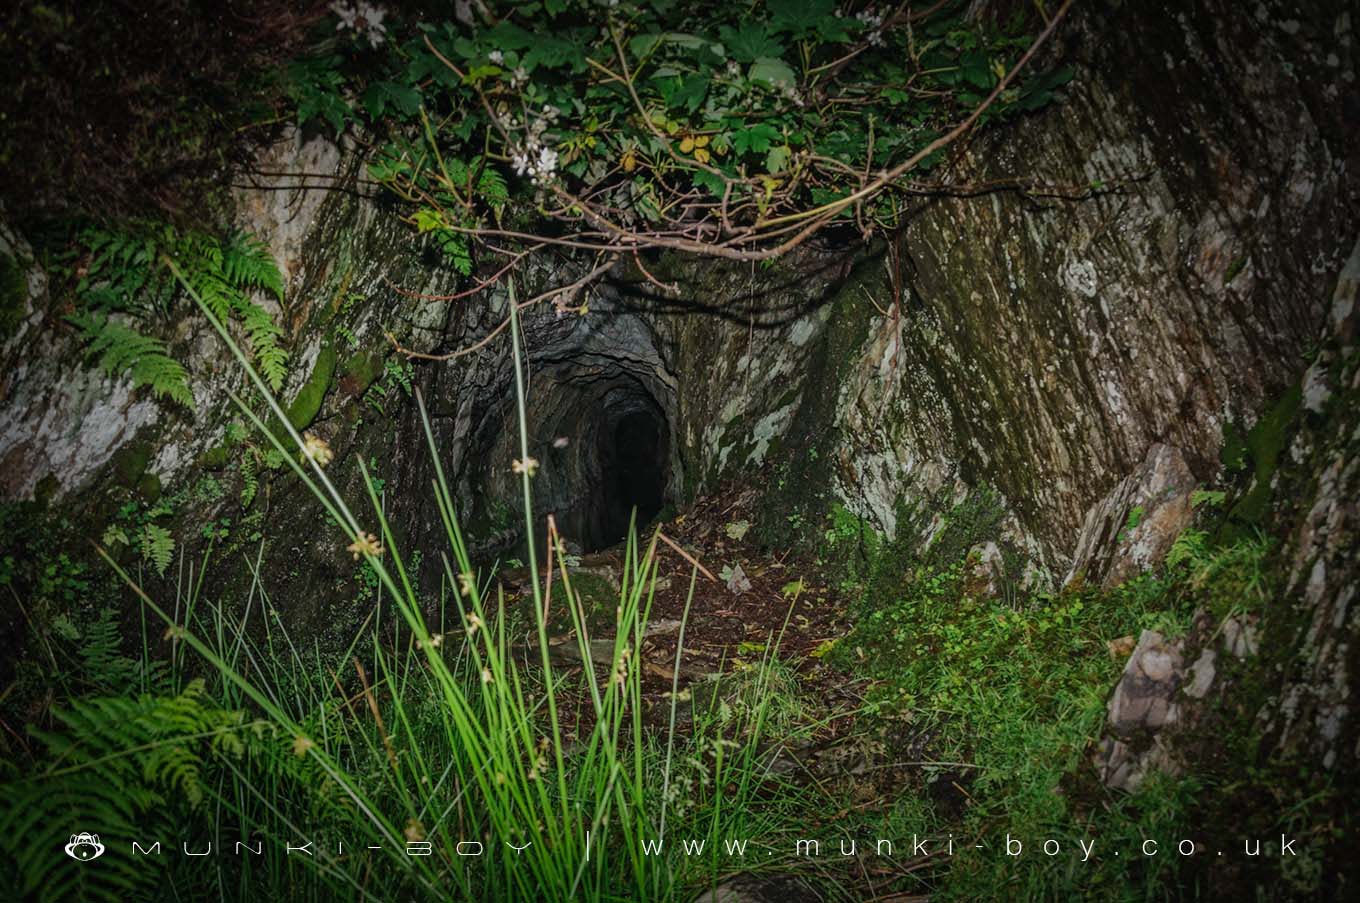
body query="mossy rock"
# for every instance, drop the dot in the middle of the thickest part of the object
(215, 458)
(1261, 449)
(130, 463)
(13, 296)
(598, 600)
(359, 371)
(149, 487)
(304, 408)
(46, 490)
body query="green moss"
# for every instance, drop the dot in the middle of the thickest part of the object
(598, 599)
(46, 490)
(215, 458)
(801, 492)
(1262, 448)
(130, 462)
(13, 296)
(304, 408)
(149, 487)
(361, 370)
(975, 519)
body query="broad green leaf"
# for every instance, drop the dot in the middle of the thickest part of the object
(773, 72)
(750, 42)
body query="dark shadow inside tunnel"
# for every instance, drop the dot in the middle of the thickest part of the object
(633, 459)
(600, 430)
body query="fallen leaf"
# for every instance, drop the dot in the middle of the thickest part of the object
(737, 529)
(737, 582)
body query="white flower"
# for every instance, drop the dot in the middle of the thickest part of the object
(496, 57)
(547, 161)
(315, 448)
(535, 160)
(348, 15)
(872, 20)
(519, 77)
(362, 18)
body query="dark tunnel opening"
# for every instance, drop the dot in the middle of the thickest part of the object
(599, 406)
(633, 465)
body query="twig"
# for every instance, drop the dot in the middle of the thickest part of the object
(377, 715)
(687, 556)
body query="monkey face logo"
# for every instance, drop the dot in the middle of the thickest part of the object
(84, 847)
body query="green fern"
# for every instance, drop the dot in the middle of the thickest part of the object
(102, 656)
(250, 478)
(247, 262)
(122, 351)
(158, 547)
(265, 337)
(125, 272)
(121, 766)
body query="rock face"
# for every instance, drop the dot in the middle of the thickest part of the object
(1066, 326)
(1045, 346)
(1131, 529)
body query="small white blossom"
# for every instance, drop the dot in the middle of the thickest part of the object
(873, 21)
(363, 19)
(496, 57)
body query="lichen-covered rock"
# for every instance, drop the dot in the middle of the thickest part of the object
(1131, 530)
(1166, 689)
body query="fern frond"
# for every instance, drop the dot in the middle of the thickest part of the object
(265, 338)
(120, 765)
(217, 293)
(125, 272)
(122, 351)
(101, 652)
(158, 547)
(246, 261)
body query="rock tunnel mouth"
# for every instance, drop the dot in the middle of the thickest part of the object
(600, 414)
(616, 471)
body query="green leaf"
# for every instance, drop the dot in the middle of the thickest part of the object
(800, 17)
(750, 42)
(158, 547)
(777, 159)
(757, 138)
(773, 72)
(382, 97)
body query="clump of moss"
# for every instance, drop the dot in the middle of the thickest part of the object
(304, 408)
(359, 371)
(1259, 450)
